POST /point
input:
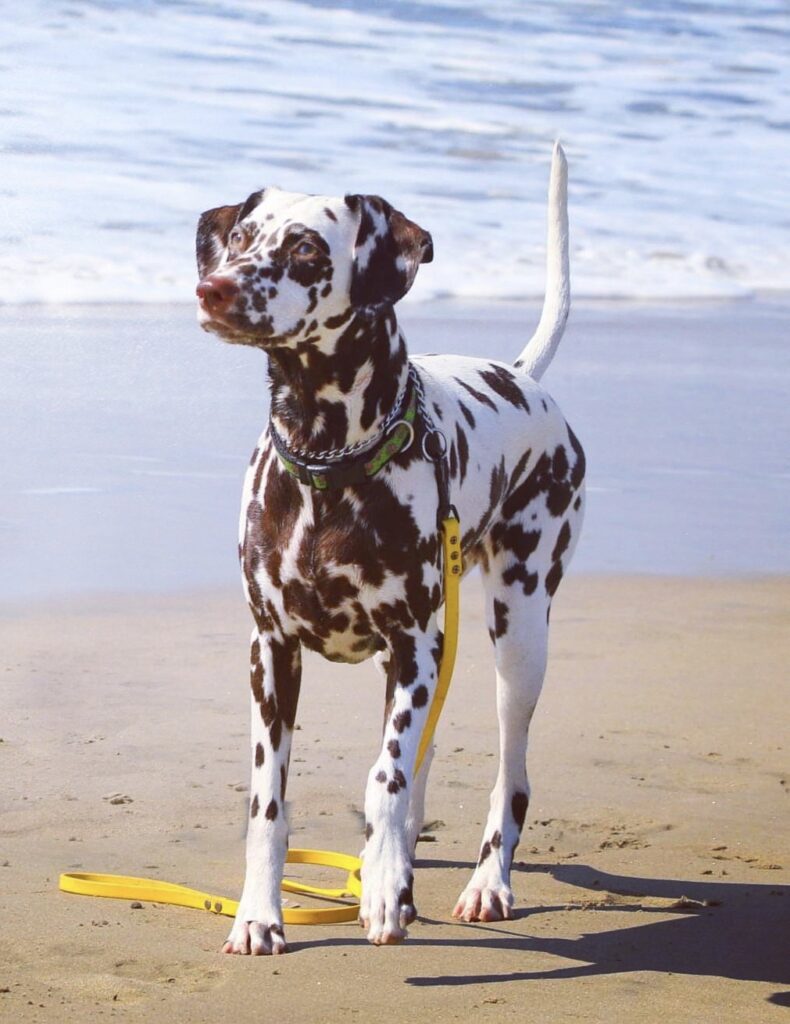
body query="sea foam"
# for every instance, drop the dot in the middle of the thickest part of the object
(121, 121)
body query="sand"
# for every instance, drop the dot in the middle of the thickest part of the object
(651, 883)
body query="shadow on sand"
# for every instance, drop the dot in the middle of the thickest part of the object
(740, 932)
(736, 931)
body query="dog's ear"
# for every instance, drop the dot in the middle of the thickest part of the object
(388, 250)
(214, 227)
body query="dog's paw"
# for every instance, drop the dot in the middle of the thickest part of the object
(485, 904)
(256, 939)
(387, 906)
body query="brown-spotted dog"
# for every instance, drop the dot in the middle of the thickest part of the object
(339, 544)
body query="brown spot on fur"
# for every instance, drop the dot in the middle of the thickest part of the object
(401, 721)
(563, 540)
(467, 414)
(286, 667)
(271, 810)
(463, 451)
(500, 618)
(268, 709)
(259, 755)
(505, 384)
(513, 537)
(405, 896)
(559, 464)
(256, 682)
(276, 733)
(518, 571)
(254, 806)
(420, 696)
(479, 395)
(553, 578)
(397, 782)
(519, 805)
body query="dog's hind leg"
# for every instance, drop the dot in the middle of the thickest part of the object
(525, 565)
(520, 667)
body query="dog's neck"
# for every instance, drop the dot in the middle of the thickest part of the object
(336, 391)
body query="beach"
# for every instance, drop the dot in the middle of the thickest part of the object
(650, 882)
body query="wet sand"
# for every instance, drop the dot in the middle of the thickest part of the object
(651, 882)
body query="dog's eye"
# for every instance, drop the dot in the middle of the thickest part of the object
(237, 240)
(305, 250)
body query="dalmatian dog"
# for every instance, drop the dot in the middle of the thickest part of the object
(345, 559)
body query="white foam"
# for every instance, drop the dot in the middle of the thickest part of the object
(119, 124)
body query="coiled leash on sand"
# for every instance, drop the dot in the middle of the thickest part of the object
(128, 887)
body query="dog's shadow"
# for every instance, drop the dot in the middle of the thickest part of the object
(732, 930)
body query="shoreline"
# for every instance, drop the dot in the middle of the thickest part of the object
(446, 303)
(129, 599)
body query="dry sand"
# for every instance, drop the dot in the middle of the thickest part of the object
(659, 768)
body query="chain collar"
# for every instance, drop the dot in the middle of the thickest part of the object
(357, 463)
(336, 454)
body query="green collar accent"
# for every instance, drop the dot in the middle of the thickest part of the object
(343, 472)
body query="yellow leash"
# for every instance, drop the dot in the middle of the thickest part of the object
(451, 547)
(127, 887)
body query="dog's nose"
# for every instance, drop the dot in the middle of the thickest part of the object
(216, 293)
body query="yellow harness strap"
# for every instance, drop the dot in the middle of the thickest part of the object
(127, 887)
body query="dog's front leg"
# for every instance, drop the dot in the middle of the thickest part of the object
(275, 674)
(387, 880)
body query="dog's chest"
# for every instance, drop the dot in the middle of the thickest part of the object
(341, 570)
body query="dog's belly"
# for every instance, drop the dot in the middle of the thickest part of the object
(347, 647)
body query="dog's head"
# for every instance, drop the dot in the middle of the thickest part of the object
(284, 268)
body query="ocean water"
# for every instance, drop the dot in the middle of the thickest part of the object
(120, 121)
(127, 433)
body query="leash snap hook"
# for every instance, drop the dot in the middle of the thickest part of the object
(434, 437)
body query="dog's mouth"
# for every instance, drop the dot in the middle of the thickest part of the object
(225, 332)
(234, 333)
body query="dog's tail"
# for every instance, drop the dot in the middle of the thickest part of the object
(540, 350)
